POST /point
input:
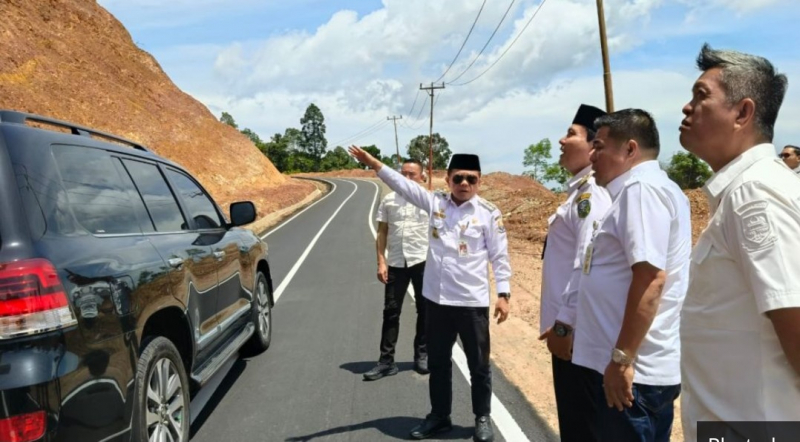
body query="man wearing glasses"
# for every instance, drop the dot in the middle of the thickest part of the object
(791, 157)
(466, 233)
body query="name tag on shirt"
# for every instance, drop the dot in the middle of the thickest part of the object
(463, 250)
(587, 259)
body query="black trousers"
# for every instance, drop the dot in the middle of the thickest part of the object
(575, 401)
(471, 324)
(395, 293)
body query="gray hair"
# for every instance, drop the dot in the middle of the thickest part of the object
(748, 76)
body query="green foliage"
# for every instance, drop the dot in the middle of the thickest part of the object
(418, 148)
(554, 172)
(228, 119)
(688, 171)
(373, 150)
(313, 142)
(338, 159)
(536, 156)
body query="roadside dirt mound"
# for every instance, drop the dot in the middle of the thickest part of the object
(72, 60)
(525, 203)
(700, 212)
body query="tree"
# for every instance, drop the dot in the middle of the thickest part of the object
(253, 137)
(536, 156)
(228, 119)
(338, 159)
(688, 171)
(554, 172)
(313, 141)
(418, 148)
(373, 150)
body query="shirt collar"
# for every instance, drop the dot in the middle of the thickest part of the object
(617, 184)
(578, 177)
(725, 176)
(797, 169)
(472, 201)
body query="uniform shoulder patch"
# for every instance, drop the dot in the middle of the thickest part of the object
(756, 227)
(583, 197)
(584, 206)
(487, 205)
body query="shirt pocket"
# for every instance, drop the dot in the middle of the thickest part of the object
(473, 235)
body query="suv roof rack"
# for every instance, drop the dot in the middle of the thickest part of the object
(17, 117)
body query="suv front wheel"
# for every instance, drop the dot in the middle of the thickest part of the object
(161, 410)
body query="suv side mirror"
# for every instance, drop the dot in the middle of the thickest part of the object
(243, 212)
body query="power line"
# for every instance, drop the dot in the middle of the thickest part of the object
(358, 133)
(462, 44)
(373, 131)
(419, 116)
(509, 47)
(415, 103)
(487, 43)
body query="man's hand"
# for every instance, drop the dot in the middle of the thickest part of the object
(501, 309)
(559, 347)
(618, 385)
(363, 157)
(383, 272)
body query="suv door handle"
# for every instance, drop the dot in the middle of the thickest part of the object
(219, 254)
(175, 262)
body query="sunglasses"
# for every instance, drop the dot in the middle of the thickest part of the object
(471, 179)
(784, 155)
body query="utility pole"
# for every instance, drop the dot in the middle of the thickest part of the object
(431, 90)
(606, 64)
(396, 143)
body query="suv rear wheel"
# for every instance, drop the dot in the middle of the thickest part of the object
(262, 318)
(161, 403)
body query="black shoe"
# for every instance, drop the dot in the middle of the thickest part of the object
(483, 430)
(432, 425)
(421, 366)
(380, 371)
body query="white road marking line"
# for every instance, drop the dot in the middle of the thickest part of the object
(301, 212)
(502, 418)
(290, 275)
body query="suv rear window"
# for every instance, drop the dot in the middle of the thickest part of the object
(94, 190)
(160, 202)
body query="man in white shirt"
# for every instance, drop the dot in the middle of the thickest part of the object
(404, 228)
(586, 203)
(633, 282)
(466, 234)
(740, 325)
(791, 157)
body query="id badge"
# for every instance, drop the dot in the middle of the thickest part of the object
(587, 259)
(463, 250)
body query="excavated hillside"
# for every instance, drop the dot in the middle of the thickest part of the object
(72, 60)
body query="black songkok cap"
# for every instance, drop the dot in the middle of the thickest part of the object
(586, 115)
(465, 161)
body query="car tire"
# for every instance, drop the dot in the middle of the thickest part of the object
(262, 318)
(161, 400)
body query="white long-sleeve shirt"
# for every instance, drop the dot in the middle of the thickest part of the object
(462, 241)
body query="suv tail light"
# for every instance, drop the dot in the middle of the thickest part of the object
(23, 428)
(32, 299)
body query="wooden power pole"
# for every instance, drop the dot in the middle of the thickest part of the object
(431, 91)
(606, 64)
(396, 143)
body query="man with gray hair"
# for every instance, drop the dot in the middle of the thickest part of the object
(740, 324)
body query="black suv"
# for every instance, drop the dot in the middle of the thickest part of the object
(123, 287)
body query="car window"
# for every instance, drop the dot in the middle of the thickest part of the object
(200, 207)
(95, 191)
(157, 196)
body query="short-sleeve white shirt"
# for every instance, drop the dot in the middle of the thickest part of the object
(745, 264)
(649, 221)
(407, 239)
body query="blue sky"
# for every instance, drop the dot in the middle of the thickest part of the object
(360, 61)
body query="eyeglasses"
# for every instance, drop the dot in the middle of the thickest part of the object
(471, 179)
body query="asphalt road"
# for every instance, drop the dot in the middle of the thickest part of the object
(327, 319)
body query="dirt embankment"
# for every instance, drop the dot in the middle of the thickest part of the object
(72, 60)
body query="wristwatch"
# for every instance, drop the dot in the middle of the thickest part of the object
(504, 295)
(621, 358)
(562, 329)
